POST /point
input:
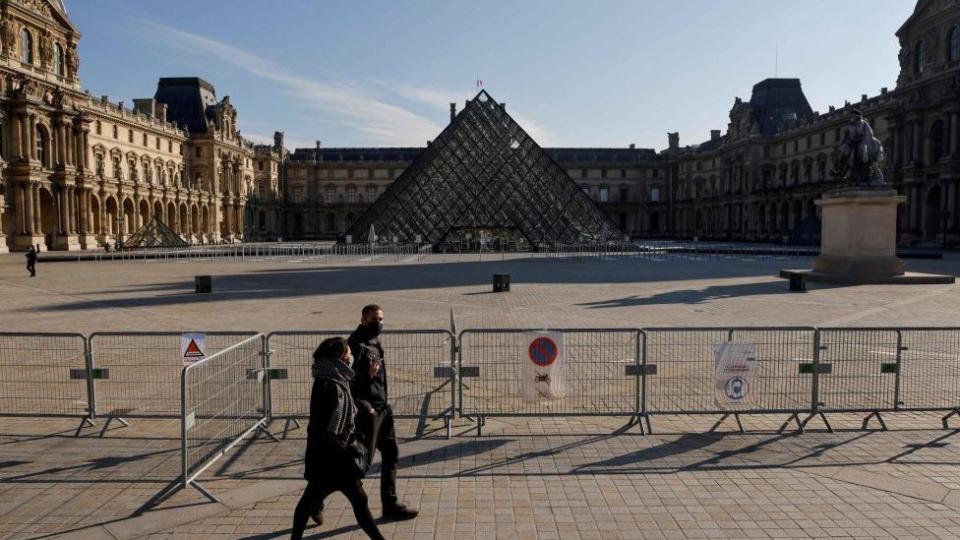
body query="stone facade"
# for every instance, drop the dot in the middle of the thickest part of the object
(78, 171)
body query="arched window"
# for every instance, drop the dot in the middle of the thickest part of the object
(371, 194)
(57, 60)
(953, 44)
(921, 56)
(43, 146)
(655, 194)
(26, 47)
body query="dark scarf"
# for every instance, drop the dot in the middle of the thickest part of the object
(341, 420)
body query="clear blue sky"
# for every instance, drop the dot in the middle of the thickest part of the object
(574, 73)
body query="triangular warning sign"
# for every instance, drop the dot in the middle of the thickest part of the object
(484, 172)
(193, 350)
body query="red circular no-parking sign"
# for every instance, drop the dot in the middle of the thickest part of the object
(543, 351)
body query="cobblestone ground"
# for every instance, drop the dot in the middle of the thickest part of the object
(524, 478)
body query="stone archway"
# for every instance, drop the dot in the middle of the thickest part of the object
(129, 217)
(96, 227)
(49, 220)
(158, 212)
(112, 214)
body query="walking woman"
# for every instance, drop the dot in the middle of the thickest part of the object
(337, 459)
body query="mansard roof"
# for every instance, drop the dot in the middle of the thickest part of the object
(779, 104)
(187, 99)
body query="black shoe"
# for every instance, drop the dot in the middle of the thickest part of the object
(318, 517)
(399, 512)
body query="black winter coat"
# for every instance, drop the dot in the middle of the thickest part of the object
(330, 458)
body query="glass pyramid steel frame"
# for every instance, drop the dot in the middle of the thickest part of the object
(484, 172)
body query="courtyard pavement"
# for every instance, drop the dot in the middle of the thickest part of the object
(524, 478)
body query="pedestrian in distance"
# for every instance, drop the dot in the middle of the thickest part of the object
(337, 458)
(376, 416)
(32, 261)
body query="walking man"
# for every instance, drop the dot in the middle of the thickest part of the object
(369, 389)
(32, 262)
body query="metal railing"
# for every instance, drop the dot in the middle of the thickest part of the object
(221, 403)
(46, 375)
(140, 372)
(420, 373)
(596, 377)
(802, 372)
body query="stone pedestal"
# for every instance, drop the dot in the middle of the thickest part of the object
(66, 242)
(22, 242)
(858, 241)
(858, 237)
(88, 241)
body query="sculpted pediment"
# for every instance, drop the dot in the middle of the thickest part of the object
(52, 10)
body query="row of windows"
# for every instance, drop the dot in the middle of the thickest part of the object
(144, 138)
(301, 172)
(605, 173)
(330, 194)
(953, 50)
(603, 193)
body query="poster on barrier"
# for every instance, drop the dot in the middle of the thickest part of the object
(542, 367)
(192, 347)
(734, 364)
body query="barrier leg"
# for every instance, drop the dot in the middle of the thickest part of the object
(286, 426)
(110, 419)
(795, 417)
(196, 485)
(946, 423)
(736, 417)
(649, 427)
(263, 429)
(87, 422)
(448, 423)
(876, 414)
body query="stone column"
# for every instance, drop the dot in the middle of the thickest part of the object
(955, 134)
(21, 215)
(33, 137)
(16, 133)
(37, 218)
(83, 226)
(918, 142)
(25, 151)
(61, 143)
(951, 206)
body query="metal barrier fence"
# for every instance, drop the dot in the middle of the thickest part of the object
(140, 372)
(46, 375)
(419, 363)
(596, 375)
(221, 404)
(434, 374)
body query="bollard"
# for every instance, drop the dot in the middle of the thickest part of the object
(501, 283)
(203, 284)
(797, 284)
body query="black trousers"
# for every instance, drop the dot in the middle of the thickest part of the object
(389, 453)
(312, 500)
(32, 268)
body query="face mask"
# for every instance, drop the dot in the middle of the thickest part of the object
(374, 328)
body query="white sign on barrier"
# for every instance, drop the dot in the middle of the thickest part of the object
(192, 347)
(735, 362)
(542, 367)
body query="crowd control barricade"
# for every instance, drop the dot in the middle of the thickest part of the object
(728, 372)
(928, 371)
(860, 371)
(221, 403)
(46, 375)
(142, 371)
(599, 368)
(420, 374)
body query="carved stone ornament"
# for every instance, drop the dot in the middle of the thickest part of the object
(8, 35)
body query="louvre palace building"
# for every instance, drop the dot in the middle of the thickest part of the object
(81, 172)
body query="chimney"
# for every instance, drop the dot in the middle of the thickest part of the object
(161, 109)
(504, 105)
(278, 140)
(863, 97)
(674, 140)
(883, 91)
(316, 155)
(714, 134)
(453, 112)
(633, 146)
